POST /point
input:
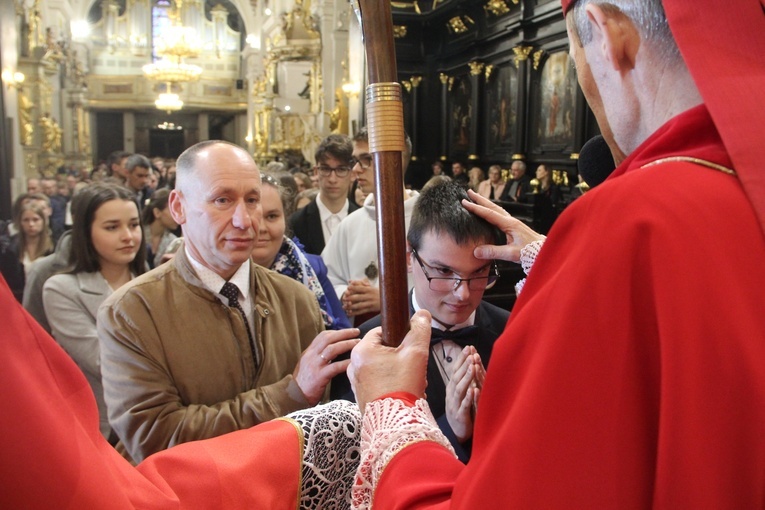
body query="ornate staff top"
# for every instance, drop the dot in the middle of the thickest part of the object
(387, 143)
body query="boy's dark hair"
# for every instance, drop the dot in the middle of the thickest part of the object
(337, 146)
(439, 210)
(115, 158)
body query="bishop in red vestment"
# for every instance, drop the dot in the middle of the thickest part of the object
(632, 371)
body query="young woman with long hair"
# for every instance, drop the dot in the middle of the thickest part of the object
(32, 240)
(108, 250)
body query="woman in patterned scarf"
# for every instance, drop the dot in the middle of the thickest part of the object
(277, 251)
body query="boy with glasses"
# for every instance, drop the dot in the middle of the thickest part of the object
(449, 282)
(351, 254)
(315, 223)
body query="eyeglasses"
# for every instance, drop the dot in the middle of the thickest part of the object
(444, 284)
(365, 162)
(326, 171)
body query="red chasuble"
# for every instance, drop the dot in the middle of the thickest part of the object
(52, 454)
(632, 371)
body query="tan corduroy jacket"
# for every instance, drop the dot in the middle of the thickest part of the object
(177, 365)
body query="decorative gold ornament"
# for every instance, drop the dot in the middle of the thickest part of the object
(51, 134)
(26, 125)
(489, 69)
(459, 24)
(399, 31)
(444, 78)
(497, 7)
(537, 58)
(416, 80)
(476, 67)
(521, 53)
(560, 177)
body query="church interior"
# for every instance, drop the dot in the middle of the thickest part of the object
(483, 83)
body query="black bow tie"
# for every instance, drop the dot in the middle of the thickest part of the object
(462, 337)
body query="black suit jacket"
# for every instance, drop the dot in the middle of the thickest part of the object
(489, 318)
(524, 187)
(305, 224)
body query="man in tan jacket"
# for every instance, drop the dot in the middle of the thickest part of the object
(185, 357)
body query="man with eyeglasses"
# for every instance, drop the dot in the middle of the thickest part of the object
(449, 282)
(315, 223)
(351, 254)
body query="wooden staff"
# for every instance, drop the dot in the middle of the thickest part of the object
(387, 142)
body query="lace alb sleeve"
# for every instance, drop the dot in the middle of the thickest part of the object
(331, 453)
(528, 256)
(388, 426)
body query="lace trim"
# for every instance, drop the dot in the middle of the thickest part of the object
(529, 254)
(389, 425)
(331, 435)
(519, 286)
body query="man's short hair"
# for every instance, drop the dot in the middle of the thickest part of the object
(439, 210)
(647, 15)
(336, 146)
(137, 160)
(115, 158)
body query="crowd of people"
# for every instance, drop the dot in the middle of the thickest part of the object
(204, 382)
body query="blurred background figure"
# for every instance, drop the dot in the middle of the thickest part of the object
(476, 176)
(159, 227)
(492, 187)
(30, 241)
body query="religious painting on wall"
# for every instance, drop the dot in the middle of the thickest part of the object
(502, 108)
(554, 105)
(460, 112)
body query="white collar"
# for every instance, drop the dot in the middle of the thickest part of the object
(214, 282)
(325, 213)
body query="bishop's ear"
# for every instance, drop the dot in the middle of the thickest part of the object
(616, 35)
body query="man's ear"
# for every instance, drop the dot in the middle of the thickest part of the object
(177, 210)
(617, 36)
(408, 258)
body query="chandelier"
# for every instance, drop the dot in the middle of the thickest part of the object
(168, 102)
(169, 71)
(178, 42)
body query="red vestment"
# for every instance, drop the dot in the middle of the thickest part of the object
(632, 371)
(52, 454)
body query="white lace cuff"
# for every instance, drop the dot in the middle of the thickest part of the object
(529, 254)
(331, 453)
(388, 426)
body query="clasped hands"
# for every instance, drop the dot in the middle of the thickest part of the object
(361, 297)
